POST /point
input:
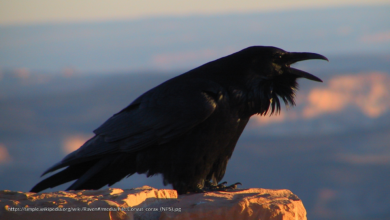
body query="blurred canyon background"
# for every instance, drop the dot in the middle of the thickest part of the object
(65, 69)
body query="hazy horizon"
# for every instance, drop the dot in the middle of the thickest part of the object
(182, 43)
(20, 12)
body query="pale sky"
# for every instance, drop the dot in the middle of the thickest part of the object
(52, 11)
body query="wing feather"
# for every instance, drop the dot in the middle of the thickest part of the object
(155, 118)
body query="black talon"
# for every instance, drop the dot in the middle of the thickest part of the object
(222, 185)
(210, 187)
(234, 186)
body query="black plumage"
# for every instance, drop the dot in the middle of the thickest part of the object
(187, 127)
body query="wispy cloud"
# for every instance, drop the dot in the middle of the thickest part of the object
(364, 159)
(4, 155)
(73, 142)
(367, 92)
(172, 60)
(168, 59)
(381, 37)
(277, 118)
(344, 30)
(22, 73)
(324, 198)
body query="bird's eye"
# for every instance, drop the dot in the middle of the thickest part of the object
(277, 57)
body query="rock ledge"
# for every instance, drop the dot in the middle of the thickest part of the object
(150, 203)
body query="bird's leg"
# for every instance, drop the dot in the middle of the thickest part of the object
(200, 187)
(208, 185)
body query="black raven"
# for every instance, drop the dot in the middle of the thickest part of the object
(187, 127)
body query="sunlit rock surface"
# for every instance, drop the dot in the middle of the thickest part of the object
(150, 203)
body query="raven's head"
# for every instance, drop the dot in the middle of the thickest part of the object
(271, 77)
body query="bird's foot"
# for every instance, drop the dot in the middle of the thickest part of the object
(210, 187)
(222, 186)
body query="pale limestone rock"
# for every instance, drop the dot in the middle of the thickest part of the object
(150, 203)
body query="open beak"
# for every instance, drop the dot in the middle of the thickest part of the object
(296, 57)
